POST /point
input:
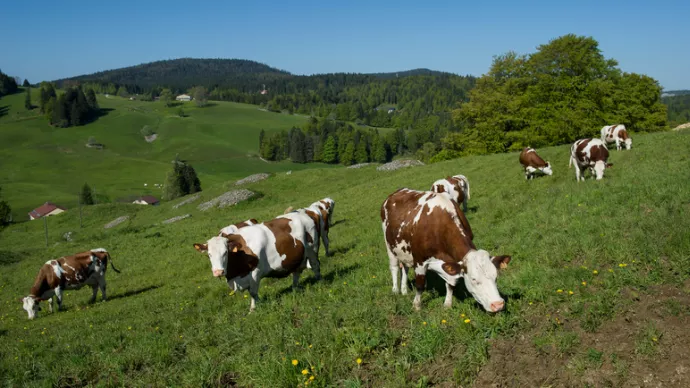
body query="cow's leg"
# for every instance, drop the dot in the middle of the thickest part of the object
(420, 284)
(403, 279)
(50, 305)
(94, 288)
(618, 144)
(295, 279)
(315, 265)
(395, 270)
(324, 237)
(577, 173)
(464, 203)
(254, 293)
(449, 296)
(101, 285)
(58, 296)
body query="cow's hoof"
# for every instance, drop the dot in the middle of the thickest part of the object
(447, 305)
(395, 290)
(417, 306)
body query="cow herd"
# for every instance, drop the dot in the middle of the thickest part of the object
(592, 154)
(423, 230)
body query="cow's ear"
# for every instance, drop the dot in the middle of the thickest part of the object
(452, 268)
(234, 246)
(223, 234)
(201, 247)
(501, 262)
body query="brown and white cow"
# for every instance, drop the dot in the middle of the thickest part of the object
(68, 273)
(589, 153)
(457, 186)
(533, 163)
(230, 229)
(329, 205)
(616, 134)
(275, 248)
(428, 231)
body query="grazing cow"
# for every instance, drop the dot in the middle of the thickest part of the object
(275, 248)
(428, 231)
(532, 163)
(230, 229)
(618, 134)
(68, 273)
(457, 186)
(589, 153)
(328, 205)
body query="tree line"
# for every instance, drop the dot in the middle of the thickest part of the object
(330, 141)
(8, 85)
(678, 109)
(71, 108)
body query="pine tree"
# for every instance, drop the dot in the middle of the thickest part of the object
(378, 152)
(348, 156)
(27, 99)
(181, 180)
(86, 196)
(330, 151)
(262, 134)
(361, 154)
(91, 99)
(26, 83)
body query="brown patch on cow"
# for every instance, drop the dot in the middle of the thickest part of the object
(253, 221)
(286, 244)
(439, 189)
(316, 219)
(501, 262)
(434, 235)
(241, 259)
(579, 150)
(623, 134)
(203, 247)
(517, 361)
(531, 159)
(457, 185)
(598, 153)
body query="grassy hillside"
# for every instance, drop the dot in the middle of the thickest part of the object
(595, 289)
(39, 163)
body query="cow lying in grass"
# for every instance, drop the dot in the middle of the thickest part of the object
(428, 231)
(68, 273)
(275, 248)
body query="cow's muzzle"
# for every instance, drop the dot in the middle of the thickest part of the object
(497, 306)
(218, 272)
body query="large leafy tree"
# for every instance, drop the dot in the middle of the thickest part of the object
(564, 91)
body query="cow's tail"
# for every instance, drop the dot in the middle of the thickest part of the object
(113, 265)
(467, 183)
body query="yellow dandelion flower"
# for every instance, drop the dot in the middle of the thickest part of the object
(296, 343)
(359, 361)
(295, 362)
(595, 272)
(373, 277)
(610, 270)
(424, 323)
(311, 378)
(43, 333)
(584, 283)
(570, 292)
(403, 344)
(304, 371)
(622, 265)
(654, 339)
(443, 321)
(344, 282)
(530, 303)
(309, 346)
(181, 336)
(245, 296)
(467, 320)
(462, 315)
(198, 286)
(24, 327)
(559, 290)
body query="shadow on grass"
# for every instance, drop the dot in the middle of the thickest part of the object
(3, 332)
(328, 278)
(9, 257)
(344, 220)
(4, 110)
(339, 250)
(437, 284)
(133, 292)
(472, 209)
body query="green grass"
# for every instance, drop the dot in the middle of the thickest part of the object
(169, 323)
(40, 163)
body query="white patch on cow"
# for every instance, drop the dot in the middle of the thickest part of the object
(403, 253)
(218, 254)
(230, 229)
(480, 279)
(599, 168)
(435, 265)
(56, 267)
(546, 170)
(31, 306)
(628, 143)
(99, 250)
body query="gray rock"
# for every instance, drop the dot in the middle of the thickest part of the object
(187, 200)
(359, 165)
(175, 219)
(67, 236)
(396, 164)
(116, 222)
(252, 179)
(228, 199)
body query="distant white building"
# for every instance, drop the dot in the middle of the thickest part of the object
(147, 200)
(184, 97)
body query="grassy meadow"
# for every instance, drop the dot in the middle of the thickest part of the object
(40, 163)
(591, 261)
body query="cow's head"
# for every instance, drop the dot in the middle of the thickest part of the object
(628, 143)
(217, 249)
(599, 168)
(480, 280)
(31, 306)
(547, 170)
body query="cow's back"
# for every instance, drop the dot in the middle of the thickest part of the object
(529, 158)
(424, 225)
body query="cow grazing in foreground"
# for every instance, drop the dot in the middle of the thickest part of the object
(533, 163)
(68, 273)
(616, 134)
(428, 231)
(457, 186)
(230, 229)
(275, 248)
(589, 153)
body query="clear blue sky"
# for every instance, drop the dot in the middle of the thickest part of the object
(46, 40)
